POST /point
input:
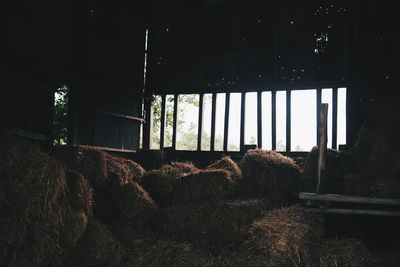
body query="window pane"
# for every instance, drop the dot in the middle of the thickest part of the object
(169, 120)
(234, 122)
(219, 123)
(303, 120)
(281, 120)
(188, 118)
(206, 132)
(250, 119)
(156, 125)
(266, 120)
(326, 97)
(341, 117)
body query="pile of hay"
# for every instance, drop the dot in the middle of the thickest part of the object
(340, 252)
(226, 163)
(334, 171)
(210, 226)
(159, 252)
(96, 248)
(203, 186)
(160, 183)
(282, 237)
(115, 183)
(269, 175)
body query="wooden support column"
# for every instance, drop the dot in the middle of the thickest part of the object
(322, 146)
(162, 126)
(200, 124)
(334, 117)
(288, 120)
(273, 119)
(226, 122)
(242, 121)
(175, 123)
(213, 119)
(259, 119)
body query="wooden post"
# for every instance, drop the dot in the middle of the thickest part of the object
(213, 119)
(259, 119)
(175, 122)
(200, 125)
(162, 126)
(322, 144)
(226, 122)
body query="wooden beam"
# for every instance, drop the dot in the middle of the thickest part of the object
(175, 123)
(147, 127)
(213, 119)
(259, 119)
(200, 124)
(273, 119)
(162, 126)
(322, 149)
(357, 212)
(226, 122)
(319, 101)
(288, 120)
(349, 199)
(334, 117)
(113, 114)
(242, 121)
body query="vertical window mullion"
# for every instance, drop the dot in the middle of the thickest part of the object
(200, 124)
(334, 117)
(259, 119)
(213, 119)
(288, 119)
(226, 122)
(273, 120)
(319, 97)
(175, 123)
(242, 120)
(162, 126)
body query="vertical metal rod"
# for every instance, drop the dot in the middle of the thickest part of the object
(242, 120)
(288, 119)
(273, 119)
(162, 126)
(200, 125)
(175, 123)
(334, 117)
(213, 119)
(319, 100)
(226, 122)
(259, 119)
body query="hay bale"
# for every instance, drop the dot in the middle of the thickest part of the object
(340, 252)
(33, 205)
(210, 226)
(269, 175)
(203, 186)
(282, 237)
(160, 183)
(153, 252)
(123, 171)
(75, 224)
(80, 192)
(96, 248)
(134, 203)
(125, 232)
(226, 163)
(333, 174)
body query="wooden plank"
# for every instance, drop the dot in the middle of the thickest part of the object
(357, 212)
(242, 121)
(226, 122)
(175, 123)
(259, 119)
(319, 101)
(162, 122)
(349, 199)
(213, 119)
(273, 119)
(334, 117)
(116, 115)
(322, 144)
(147, 127)
(30, 135)
(110, 149)
(288, 119)
(200, 125)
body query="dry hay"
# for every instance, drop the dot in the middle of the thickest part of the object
(226, 163)
(210, 226)
(96, 248)
(203, 186)
(74, 227)
(160, 183)
(340, 252)
(125, 232)
(134, 203)
(269, 175)
(153, 252)
(333, 174)
(124, 171)
(80, 192)
(33, 205)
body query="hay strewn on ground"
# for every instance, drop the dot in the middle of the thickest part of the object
(211, 226)
(203, 186)
(226, 163)
(160, 183)
(269, 175)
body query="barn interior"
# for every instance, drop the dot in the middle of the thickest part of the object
(189, 133)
